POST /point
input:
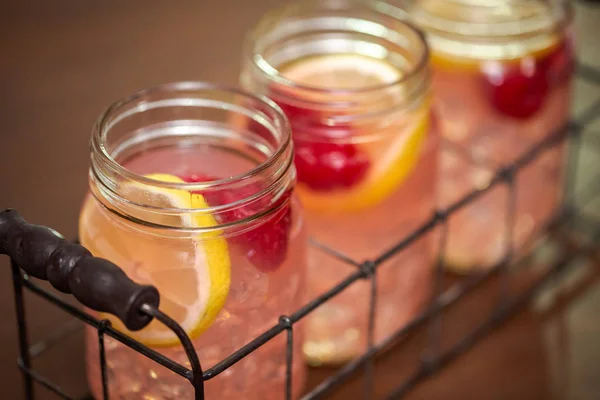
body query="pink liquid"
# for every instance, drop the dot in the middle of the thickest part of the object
(495, 126)
(348, 211)
(254, 304)
(337, 331)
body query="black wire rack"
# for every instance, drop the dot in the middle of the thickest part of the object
(40, 253)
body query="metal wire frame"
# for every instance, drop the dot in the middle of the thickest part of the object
(432, 358)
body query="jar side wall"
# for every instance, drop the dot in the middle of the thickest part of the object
(495, 111)
(381, 183)
(225, 248)
(255, 301)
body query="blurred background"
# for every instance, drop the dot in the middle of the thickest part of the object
(64, 61)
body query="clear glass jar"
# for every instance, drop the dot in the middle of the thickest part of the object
(191, 191)
(354, 83)
(502, 83)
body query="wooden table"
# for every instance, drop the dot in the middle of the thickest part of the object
(64, 61)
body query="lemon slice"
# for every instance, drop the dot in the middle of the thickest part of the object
(192, 275)
(341, 71)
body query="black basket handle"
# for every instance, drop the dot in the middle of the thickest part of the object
(71, 268)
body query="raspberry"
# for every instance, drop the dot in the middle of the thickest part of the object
(521, 91)
(326, 166)
(266, 245)
(517, 93)
(321, 163)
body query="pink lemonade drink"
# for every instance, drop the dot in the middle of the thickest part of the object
(185, 198)
(502, 82)
(354, 83)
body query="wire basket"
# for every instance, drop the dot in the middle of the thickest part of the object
(40, 253)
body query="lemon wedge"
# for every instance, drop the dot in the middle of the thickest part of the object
(192, 274)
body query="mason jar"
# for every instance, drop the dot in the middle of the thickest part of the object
(502, 82)
(192, 191)
(354, 82)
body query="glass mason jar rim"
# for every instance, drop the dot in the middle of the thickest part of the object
(105, 122)
(269, 180)
(477, 30)
(272, 73)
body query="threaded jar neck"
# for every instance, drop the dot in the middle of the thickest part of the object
(338, 27)
(181, 117)
(488, 29)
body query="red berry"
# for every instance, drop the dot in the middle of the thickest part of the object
(265, 245)
(268, 243)
(328, 166)
(519, 92)
(322, 164)
(560, 63)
